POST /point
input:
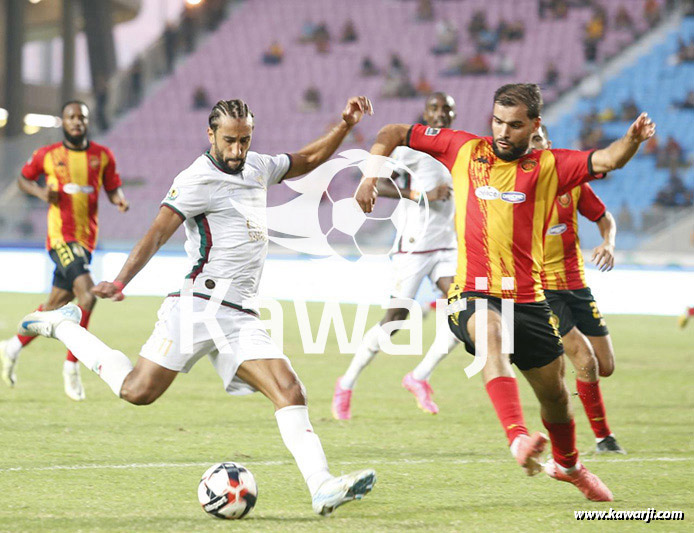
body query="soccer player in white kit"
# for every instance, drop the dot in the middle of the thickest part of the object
(220, 199)
(430, 251)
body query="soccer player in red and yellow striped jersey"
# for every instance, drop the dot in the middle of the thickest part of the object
(583, 330)
(75, 170)
(504, 196)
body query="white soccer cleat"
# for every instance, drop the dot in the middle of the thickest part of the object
(338, 490)
(9, 366)
(73, 382)
(44, 322)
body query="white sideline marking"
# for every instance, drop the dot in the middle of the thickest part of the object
(345, 463)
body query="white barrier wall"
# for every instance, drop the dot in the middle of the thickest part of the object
(626, 290)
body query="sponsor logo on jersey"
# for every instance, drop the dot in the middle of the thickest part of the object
(513, 197)
(431, 132)
(565, 200)
(173, 194)
(487, 192)
(73, 188)
(528, 165)
(482, 159)
(557, 230)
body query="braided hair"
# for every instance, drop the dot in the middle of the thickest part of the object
(231, 108)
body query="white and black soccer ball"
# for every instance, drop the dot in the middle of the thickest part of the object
(227, 490)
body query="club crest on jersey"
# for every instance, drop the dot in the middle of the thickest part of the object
(513, 197)
(94, 162)
(431, 132)
(487, 192)
(173, 194)
(528, 165)
(565, 200)
(557, 229)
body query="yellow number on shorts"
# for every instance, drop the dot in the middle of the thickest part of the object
(596, 311)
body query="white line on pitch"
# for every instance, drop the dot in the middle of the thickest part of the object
(365, 462)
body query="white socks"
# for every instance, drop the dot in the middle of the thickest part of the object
(299, 438)
(13, 347)
(365, 353)
(111, 366)
(432, 358)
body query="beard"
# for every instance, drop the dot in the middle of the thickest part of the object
(75, 140)
(511, 154)
(224, 164)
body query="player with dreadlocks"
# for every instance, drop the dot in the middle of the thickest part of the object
(220, 199)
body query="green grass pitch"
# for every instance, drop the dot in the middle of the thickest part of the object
(104, 465)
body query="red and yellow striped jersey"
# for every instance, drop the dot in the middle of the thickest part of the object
(502, 208)
(563, 268)
(77, 175)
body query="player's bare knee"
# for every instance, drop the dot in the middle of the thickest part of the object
(395, 315)
(86, 301)
(291, 392)
(606, 367)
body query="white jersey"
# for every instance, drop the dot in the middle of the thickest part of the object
(225, 224)
(439, 231)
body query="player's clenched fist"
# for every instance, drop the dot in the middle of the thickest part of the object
(366, 194)
(107, 289)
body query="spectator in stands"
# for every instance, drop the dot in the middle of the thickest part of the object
(368, 68)
(674, 193)
(559, 8)
(349, 33)
(623, 20)
(446, 38)
(671, 155)
(273, 55)
(425, 10)
(101, 97)
(200, 99)
(308, 31)
(543, 6)
(629, 111)
(396, 67)
(505, 66)
(477, 65)
(625, 220)
(169, 46)
(687, 103)
(478, 23)
(322, 38)
(487, 40)
(651, 12)
(311, 100)
(136, 86)
(551, 75)
(398, 86)
(685, 51)
(514, 31)
(423, 86)
(594, 33)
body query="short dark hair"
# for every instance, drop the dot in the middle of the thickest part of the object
(513, 94)
(70, 102)
(231, 108)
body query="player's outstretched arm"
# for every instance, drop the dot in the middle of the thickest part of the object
(117, 198)
(164, 225)
(46, 194)
(318, 152)
(388, 138)
(618, 154)
(603, 255)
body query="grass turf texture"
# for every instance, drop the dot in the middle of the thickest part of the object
(104, 465)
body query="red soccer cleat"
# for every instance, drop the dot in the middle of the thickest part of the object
(529, 450)
(342, 399)
(588, 483)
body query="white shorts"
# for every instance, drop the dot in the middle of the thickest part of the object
(409, 270)
(243, 338)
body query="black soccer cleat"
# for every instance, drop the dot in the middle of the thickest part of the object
(609, 445)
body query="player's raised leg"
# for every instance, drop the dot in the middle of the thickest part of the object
(580, 353)
(277, 381)
(684, 318)
(557, 416)
(11, 348)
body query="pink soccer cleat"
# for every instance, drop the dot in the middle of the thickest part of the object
(588, 483)
(529, 450)
(422, 392)
(342, 400)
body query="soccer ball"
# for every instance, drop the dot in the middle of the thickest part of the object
(227, 490)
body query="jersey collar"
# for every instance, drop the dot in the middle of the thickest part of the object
(77, 149)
